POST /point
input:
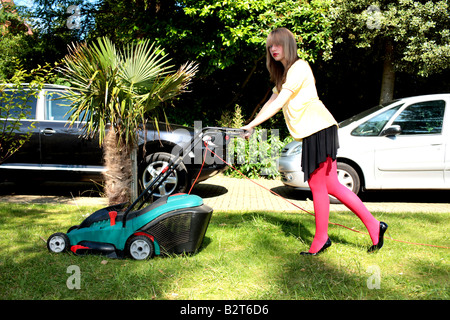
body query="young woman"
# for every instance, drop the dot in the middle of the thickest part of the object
(309, 120)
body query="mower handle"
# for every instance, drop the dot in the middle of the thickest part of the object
(176, 161)
(230, 131)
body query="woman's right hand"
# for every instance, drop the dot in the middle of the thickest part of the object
(248, 131)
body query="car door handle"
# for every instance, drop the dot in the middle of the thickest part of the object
(48, 131)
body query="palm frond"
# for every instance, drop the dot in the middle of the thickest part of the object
(117, 88)
(169, 86)
(143, 62)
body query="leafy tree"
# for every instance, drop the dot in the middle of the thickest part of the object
(63, 19)
(13, 38)
(114, 90)
(243, 27)
(408, 35)
(52, 31)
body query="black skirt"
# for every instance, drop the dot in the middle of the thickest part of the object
(317, 147)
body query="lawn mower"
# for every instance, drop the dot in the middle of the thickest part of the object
(172, 224)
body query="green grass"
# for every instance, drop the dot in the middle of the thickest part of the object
(249, 255)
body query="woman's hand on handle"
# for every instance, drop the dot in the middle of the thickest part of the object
(248, 131)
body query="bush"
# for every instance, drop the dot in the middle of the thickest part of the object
(255, 157)
(16, 105)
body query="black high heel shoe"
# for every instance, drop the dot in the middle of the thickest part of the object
(379, 245)
(325, 246)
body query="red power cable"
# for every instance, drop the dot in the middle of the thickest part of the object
(201, 168)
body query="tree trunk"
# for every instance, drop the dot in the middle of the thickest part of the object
(118, 176)
(388, 79)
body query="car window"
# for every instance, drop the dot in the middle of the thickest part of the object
(375, 125)
(17, 105)
(422, 118)
(57, 107)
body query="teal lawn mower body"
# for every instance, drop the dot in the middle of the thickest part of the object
(171, 224)
(106, 225)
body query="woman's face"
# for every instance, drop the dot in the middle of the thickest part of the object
(277, 53)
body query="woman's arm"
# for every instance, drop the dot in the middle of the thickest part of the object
(270, 108)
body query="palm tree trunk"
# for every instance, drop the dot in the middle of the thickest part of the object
(118, 176)
(134, 174)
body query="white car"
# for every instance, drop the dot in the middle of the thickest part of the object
(404, 144)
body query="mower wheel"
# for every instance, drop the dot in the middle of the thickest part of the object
(139, 248)
(58, 242)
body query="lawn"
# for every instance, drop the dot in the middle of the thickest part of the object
(245, 256)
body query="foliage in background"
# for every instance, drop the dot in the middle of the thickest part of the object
(227, 39)
(16, 106)
(419, 31)
(65, 20)
(407, 35)
(217, 34)
(342, 39)
(12, 31)
(241, 28)
(255, 157)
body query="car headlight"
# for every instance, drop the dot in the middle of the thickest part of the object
(297, 149)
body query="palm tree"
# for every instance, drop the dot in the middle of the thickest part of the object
(115, 91)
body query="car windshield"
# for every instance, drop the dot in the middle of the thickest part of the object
(375, 125)
(363, 114)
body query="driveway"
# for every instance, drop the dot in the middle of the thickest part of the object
(231, 194)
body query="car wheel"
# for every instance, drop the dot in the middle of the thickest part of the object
(139, 248)
(58, 242)
(152, 166)
(348, 177)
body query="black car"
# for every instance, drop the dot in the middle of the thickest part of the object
(57, 151)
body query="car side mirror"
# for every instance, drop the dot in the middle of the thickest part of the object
(392, 131)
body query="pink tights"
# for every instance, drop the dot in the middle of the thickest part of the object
(324, 181)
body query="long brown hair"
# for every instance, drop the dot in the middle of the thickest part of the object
(285, 38)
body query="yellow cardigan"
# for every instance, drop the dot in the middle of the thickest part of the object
(305, 114)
